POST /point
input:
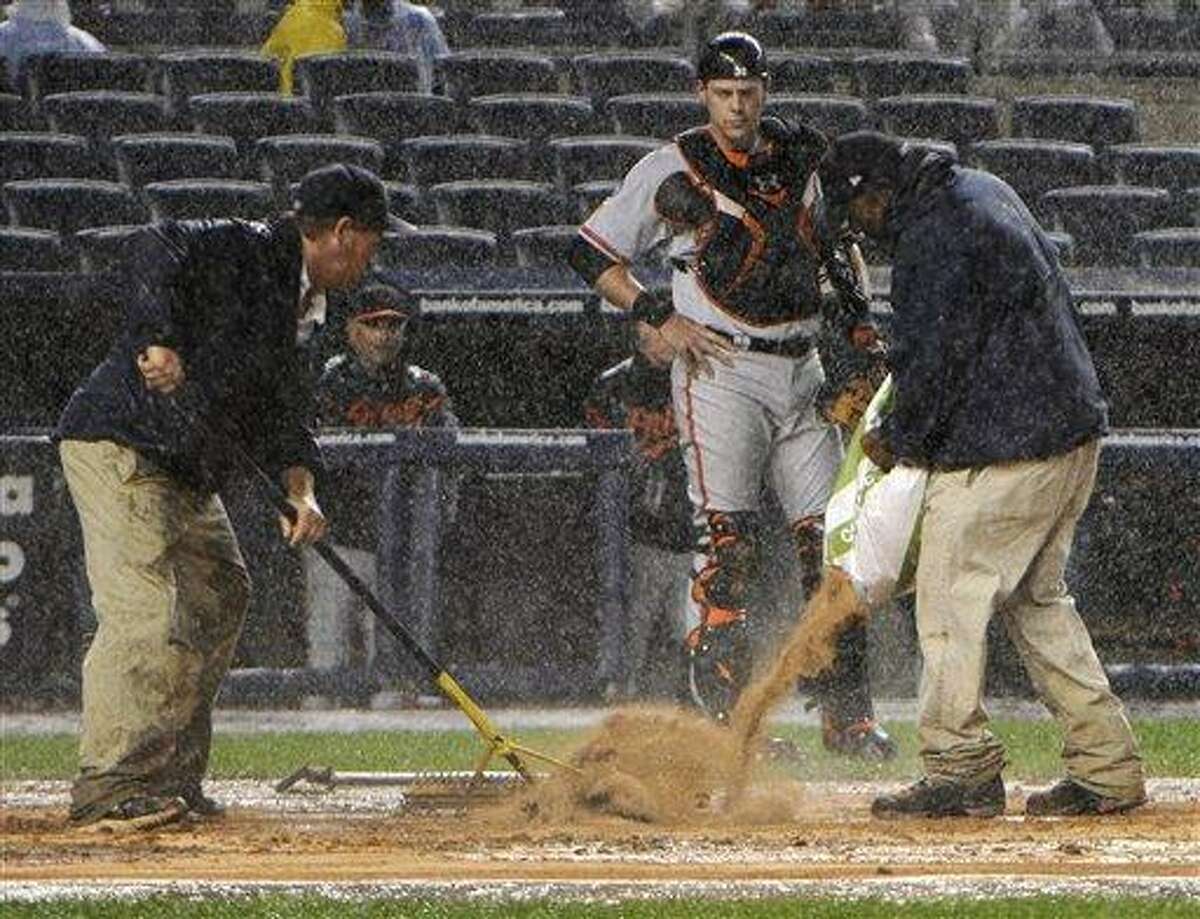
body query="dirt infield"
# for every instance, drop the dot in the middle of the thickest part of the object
(815, 832)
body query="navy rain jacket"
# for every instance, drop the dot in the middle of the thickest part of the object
(224, 294)
(988, 359)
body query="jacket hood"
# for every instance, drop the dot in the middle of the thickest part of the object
(921, 172)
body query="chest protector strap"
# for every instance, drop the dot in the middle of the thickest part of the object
(755, 258)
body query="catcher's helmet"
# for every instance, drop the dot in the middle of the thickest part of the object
(732, 56)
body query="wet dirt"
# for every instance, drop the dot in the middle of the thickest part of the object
(799, 832)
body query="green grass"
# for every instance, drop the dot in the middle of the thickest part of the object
(1170, 748)
(275, 907)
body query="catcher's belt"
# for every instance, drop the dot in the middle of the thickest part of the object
(796, 346)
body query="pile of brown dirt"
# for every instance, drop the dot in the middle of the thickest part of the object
(670, 765)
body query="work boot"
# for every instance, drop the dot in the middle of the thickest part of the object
(201, 804)
(863, 738)
(1070, 799)
(942, 798)
(142, 812)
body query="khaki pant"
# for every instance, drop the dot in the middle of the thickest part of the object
(170, 592)
(994, 541)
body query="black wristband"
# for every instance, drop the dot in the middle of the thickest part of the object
(651, 308)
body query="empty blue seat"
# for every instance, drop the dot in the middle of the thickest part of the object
(795, 72)
(214, 70)
(607, 156)
(67, 205)
(248, 116)
(1173, 167)
(437, 247)
(38, 155)
(100, 114)
(323, 77)
(192, 199)
(481, 71)
(547, 246)
(959, 119)
(588, 196)
(604, 74)
(144, 158)
(541, 27)
(893, 74)
(660, 115)
(1175, 247)
(455, 157)
(73, 71)
(105, 248)
(1103, 219)
(18, 114)
(499, 206)
(28, 249)
(285, 159)
(1082, 119)
(533, 116)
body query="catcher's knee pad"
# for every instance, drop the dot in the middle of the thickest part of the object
(719, 648)
(808, 535)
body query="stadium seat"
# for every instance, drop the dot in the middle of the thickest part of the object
(877, 76)
(532, 27)
(499, 206)
(588, 196)
(959, 119)
(28, 249)
(18, 114)
(455, 157)
(323, 77)
(1173, 167)
(67, 205)
(1175, 247)
(1080, 119)
(1103, 219)
(36, 155)
(793, 72)
(104, 248)
(480, 71)
(831, 114)
(532, 116)
(406, 202)
(544, 246)
(66, 72)
(210, 70)
(661, 115)
(437, 247)
(1033, 167)
(191, 199)
(395, 117)
(144, 158)
(247, 116)
(285, 159)
(607, 156)
(604, 74)
(101, 113)
(1191, 202)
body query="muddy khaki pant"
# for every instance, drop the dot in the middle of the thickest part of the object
(994, 541)
(170, 592)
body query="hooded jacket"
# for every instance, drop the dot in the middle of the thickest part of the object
(40, 27)
(306, 27)
(224, 295)
(988, 358)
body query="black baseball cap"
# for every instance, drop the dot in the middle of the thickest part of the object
(383, 301)
(732, 56)
(856, 161)
(343, 190)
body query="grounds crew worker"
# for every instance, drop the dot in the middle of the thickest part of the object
(208, 354)
(997, 397)
(739, 203)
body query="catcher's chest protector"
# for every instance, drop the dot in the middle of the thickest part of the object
(755, 256)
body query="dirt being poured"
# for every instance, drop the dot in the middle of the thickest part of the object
(671, 765)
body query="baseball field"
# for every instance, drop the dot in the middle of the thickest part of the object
(799, 841)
